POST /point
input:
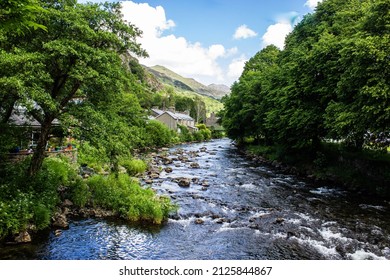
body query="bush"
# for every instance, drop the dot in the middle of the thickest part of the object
(128, 198)
(157, 134)
(25, 200)
(185, 135)
(206, 133)
(133, 166)
(217, 134)
(91, 156)
(198, 136)
(79, 192)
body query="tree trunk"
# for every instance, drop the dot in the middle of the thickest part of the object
(39, 153)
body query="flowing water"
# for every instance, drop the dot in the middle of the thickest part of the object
(243, 211)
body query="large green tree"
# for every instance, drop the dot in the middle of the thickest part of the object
(77, 59)
(330, 81)
(247, 105)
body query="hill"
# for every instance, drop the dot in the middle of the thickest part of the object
(169, 77)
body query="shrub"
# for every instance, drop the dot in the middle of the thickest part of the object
(79, 192)
(128, 198)
(133, 166)
(158, 135)
(185, 135)
(89, 155)
(198, 136)
(206, 133)
(25, 200)
(41, 216)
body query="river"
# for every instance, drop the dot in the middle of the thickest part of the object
(233, 209)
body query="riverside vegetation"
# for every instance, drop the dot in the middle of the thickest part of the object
(75, 64)
(322, 103)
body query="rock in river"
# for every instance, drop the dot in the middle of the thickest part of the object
(184, 182)
(60, 220)
(168, 169)
(23, 237)
(194, 165)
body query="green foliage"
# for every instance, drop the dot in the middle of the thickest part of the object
(217, 134)
(204, 131)
(131, 201)
(79, 192)
(41, 216)
(18, 16)
(133, 166)
(91, 156)
(157, 134)
(198, 136)
(185, 135)
(329, 82)
(25, 201)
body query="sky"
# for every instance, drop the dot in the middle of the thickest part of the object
(210, 40)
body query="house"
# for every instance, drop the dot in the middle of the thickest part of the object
(21, 119)
(172, 119)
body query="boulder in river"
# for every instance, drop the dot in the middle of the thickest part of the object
(194, 165)
(60, 220)
(184, 182)
(205, 183)
(154, 176)
(195, 180)
(203, 149)
(279, 220)
(168, 169)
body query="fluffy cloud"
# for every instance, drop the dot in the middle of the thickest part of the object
(276, 34)
(243, 32)
(176, 53)
(312, 4)
(236, 67)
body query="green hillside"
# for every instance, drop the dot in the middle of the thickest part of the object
(188, 87)
(169, 77)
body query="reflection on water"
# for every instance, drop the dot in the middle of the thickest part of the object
(246, 212)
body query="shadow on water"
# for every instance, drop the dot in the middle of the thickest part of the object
(234, 209)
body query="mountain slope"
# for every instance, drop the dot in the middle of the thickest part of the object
(169, 77)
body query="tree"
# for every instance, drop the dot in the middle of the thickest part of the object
(362, 103)
(17, 16)
(199, 110)
(79, 57)
(247, 105)
(330, 81)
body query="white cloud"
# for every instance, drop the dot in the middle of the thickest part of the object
(216, 51)
(276, 34)
(312, 4)
(176, 53)
(236, 67)
(243, 32)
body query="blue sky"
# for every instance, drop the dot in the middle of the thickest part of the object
(210, 40)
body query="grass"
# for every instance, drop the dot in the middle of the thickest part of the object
(125, 196)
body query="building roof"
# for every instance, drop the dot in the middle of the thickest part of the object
(19, 117)
(175, 115)
(157, 112)
(182, 116)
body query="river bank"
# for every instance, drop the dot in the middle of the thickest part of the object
(367, 173)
